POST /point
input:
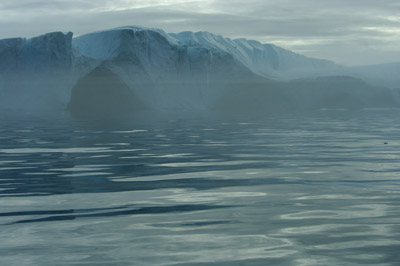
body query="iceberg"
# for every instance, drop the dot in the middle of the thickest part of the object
(131, 68)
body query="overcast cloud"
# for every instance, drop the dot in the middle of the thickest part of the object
(346, 31)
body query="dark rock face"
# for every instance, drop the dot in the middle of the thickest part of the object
(102, 93)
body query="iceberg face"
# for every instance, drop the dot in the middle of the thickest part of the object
(146, 48)
(36, 73)
(158, 50)
(162, 71)
(101, 45)
(12, 54)
(52, 51)
(108, 44)
(263, 59)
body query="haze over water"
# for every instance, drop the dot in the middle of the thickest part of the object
(305, 189)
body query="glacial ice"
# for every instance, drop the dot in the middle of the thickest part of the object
(186, 70)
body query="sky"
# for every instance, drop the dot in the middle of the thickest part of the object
(349, 32)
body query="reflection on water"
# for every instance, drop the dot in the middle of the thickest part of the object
(315, 189)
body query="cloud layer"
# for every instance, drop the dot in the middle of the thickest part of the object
(346, 31)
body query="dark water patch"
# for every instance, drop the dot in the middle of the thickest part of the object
(138, 211)
(49, 212)
(248, 262)
(100, 185)
(205, 223)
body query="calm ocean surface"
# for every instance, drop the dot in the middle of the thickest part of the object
(315, 189)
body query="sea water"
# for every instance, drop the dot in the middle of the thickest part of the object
(321, 188)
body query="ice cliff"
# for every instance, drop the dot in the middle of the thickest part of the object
(131, 68)
(35, 73)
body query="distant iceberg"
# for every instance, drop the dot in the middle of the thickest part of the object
(133, 68)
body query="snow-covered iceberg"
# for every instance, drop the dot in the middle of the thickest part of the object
(133, 68)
